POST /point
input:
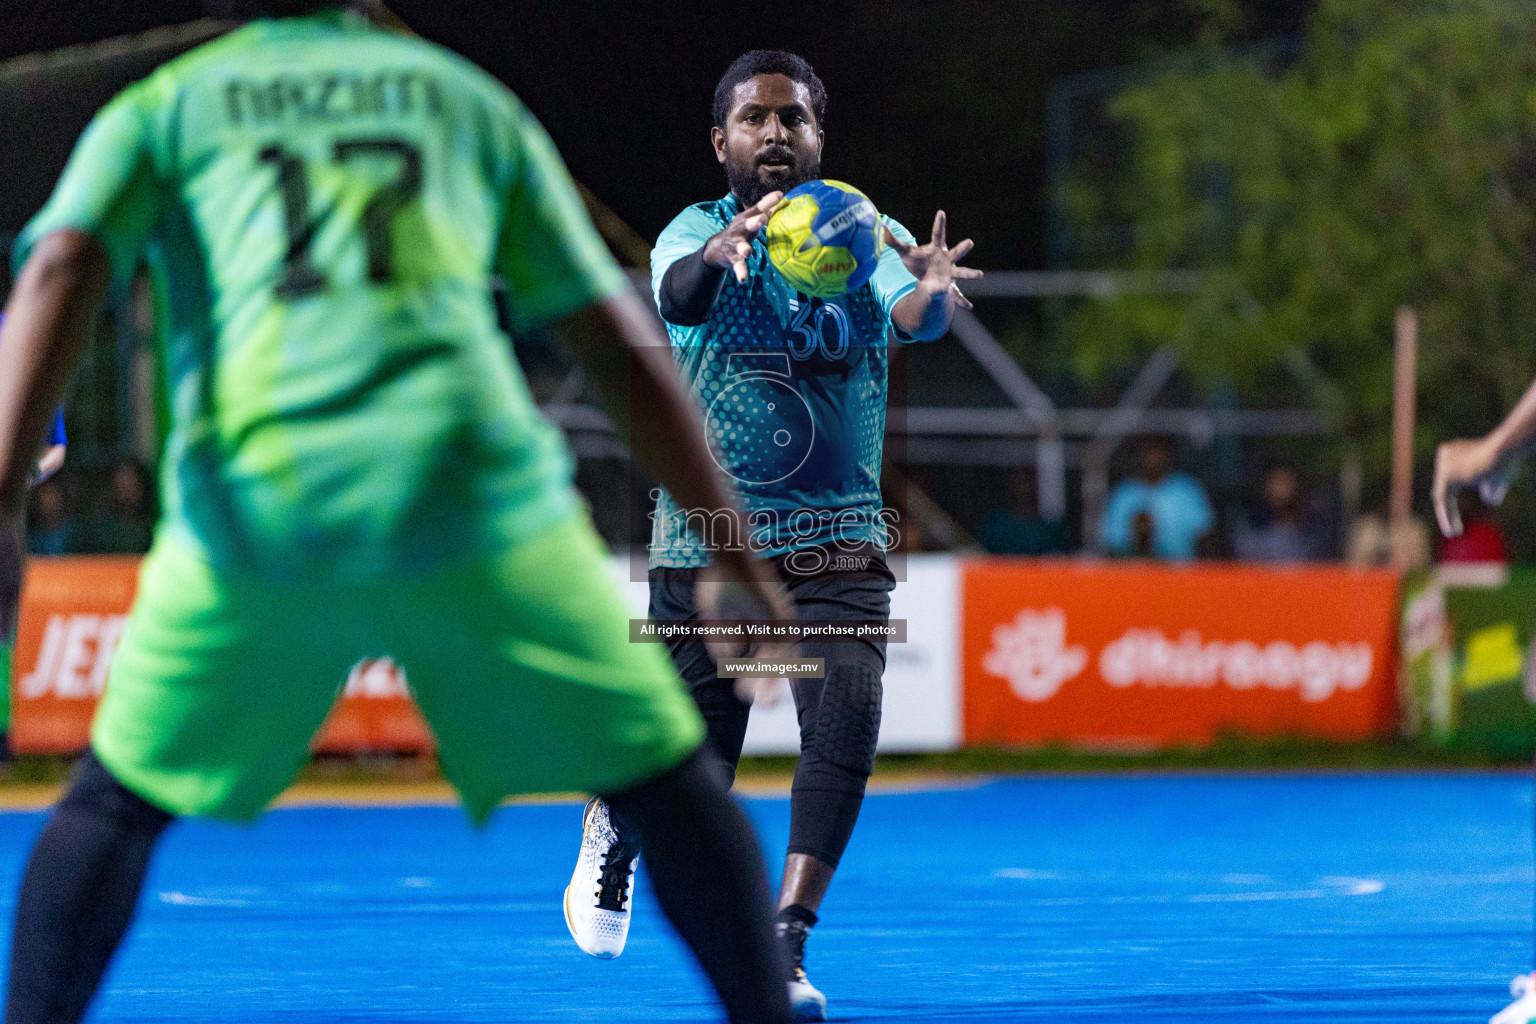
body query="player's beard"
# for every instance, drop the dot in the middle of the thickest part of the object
(749, 185)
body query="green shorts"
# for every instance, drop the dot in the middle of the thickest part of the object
(522, 666)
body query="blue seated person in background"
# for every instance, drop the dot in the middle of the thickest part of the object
(1181, 513)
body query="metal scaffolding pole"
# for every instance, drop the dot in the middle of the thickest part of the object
(1050, 454)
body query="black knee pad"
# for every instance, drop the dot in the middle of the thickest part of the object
(848, 720)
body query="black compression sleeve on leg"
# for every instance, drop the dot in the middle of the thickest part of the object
(78, 895)
(689, 290)
(837, 753)
(704, 862)
(824, 808)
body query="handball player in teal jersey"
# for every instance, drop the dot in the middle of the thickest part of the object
(355, 468)
(795, 393)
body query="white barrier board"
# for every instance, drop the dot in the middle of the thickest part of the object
(922, 676)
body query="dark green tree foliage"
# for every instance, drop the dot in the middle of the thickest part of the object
(1391, 162)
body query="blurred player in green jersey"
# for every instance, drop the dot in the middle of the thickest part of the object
(355, 468)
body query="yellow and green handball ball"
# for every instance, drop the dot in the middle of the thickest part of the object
(825, 238)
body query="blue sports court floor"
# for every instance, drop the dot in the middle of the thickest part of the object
(1316, 898)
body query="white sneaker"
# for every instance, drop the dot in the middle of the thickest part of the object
(805, 999)
(1523, 1009)
(597, 902)
(808, 1004)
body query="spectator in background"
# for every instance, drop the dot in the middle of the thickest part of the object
(1141, 536)
(124, 522)
(1282, 535)
(1181, 516)
(50, 527)
(1017, 528)
(1481, 539)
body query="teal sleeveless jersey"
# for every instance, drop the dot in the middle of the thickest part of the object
(329, 204)
(793, 394)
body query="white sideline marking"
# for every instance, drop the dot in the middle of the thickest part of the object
(181, 899)
(1331, 886)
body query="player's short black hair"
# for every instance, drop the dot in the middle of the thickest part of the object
(243, 10)
(768, 62)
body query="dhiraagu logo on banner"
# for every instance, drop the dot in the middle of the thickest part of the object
(1140, 655)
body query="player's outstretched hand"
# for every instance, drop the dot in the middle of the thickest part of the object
(934, 264)
(732, 246)
(1471, 463)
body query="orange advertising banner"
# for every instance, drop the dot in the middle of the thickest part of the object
(1138, 656)
(1082, 653)
(375, 712)
(72, 614)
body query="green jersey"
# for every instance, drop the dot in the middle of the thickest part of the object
(329, 203)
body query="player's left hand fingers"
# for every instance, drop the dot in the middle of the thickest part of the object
(1443, 494)
(965, 273)
(938, 229)
(902, 248)
(1494, 489)
(960, 299)
(959, 249)
(1448, 514)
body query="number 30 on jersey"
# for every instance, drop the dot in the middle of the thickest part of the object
(817, 327)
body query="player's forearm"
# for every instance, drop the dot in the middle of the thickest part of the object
(1518, 431)
(924, 314)
(47, 324)
(632, 365)
(689, 290)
